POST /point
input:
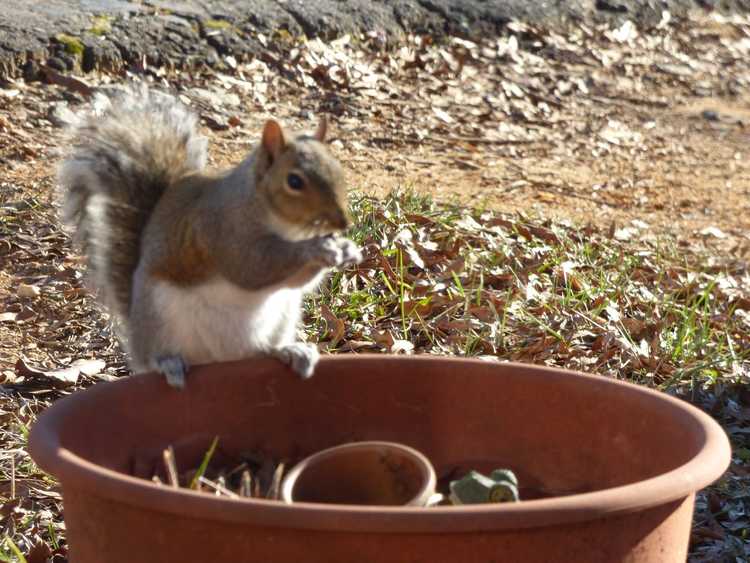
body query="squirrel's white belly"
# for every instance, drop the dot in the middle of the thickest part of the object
(219, 321)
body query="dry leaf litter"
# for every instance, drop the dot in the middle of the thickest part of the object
(594, 215)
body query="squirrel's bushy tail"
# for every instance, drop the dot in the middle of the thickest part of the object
(123, 158)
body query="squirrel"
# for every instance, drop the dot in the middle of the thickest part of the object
(202, 266)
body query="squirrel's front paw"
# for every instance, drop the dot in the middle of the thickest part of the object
(333, 252)
(174, 369)
(301, 357)
(351, 254)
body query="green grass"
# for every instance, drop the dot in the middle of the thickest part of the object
(214, 24)
(31, 522)
(73, 45)
(204, 464)
(101, 25)
(465, 282)
(14, 552)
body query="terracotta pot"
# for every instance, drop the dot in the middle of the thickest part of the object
(364, 473)
(621, 463)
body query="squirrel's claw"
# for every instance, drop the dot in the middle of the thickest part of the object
(301, 357)
(174, 369)
(351, 254)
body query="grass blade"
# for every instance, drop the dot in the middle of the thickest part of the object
(204, 464)
(17, 552)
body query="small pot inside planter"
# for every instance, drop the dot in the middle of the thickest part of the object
(612, 467)
(363, 473)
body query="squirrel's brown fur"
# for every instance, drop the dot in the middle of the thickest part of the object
(188, 258)
(123, 160)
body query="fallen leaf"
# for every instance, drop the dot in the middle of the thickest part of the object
(457, 325)
(89, 367)
(454, 267)
(423, 307)
(442, 115)
(25, 314)
(354, 345)
(383, 338)
(402, 346)
(484, 314)
(335, 327)
(635, 327)
(40, 553)
(64, 376)
(72, 84)
(8, 317)
(414, 256)
(713, 232)
(624, 234)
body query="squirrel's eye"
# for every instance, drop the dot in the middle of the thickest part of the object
(295, 181)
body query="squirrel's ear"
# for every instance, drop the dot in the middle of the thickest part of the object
(320, 132)
(273, 138)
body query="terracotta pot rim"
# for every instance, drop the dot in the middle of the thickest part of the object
(427, 471)
(674, 486)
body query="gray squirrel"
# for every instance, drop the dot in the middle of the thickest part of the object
(202, 266)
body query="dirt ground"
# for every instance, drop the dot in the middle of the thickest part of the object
(687, 180)
(636, 138)
(645, 134)
(691, 176)
(705, 183)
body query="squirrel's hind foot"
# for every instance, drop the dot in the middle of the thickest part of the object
(299, 356)
(174, 369)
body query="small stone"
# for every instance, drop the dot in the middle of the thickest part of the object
(610, 6)
(503, 492)
(68, 61)
(212, 57)
(713, 232)
(710, 115)
(216, 122)
(31, 71)
(91, 54)
(27, 291)
(60, 115)
(506, 475)
(56, 63)
(475, 488)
